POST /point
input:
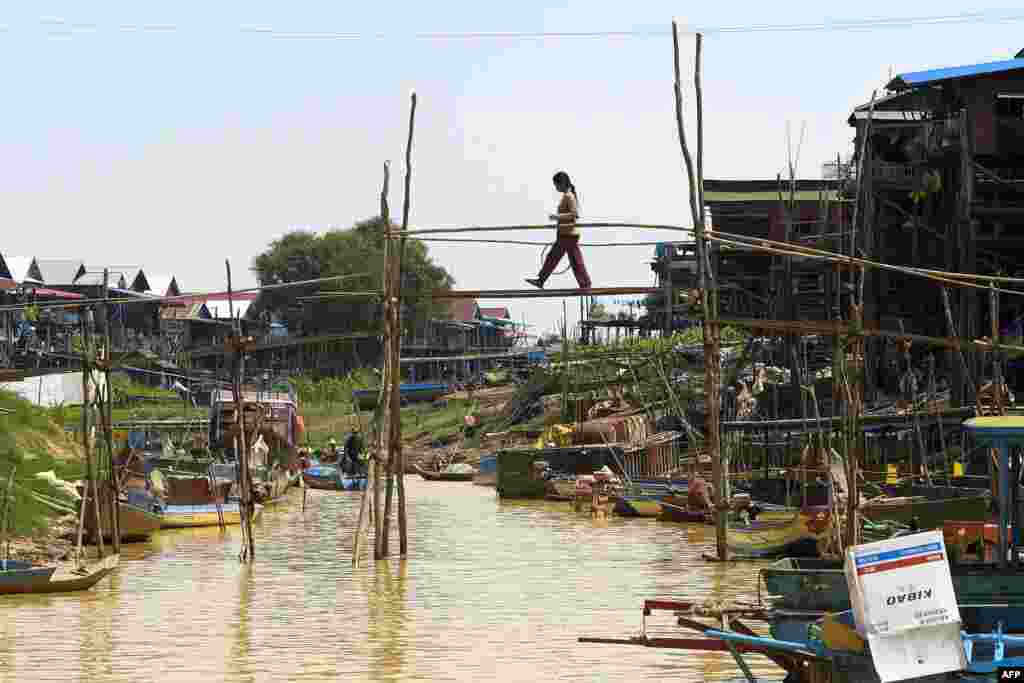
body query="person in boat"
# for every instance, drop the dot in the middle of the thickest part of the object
(698, 495)
(332, 451)
(567, 241)
(353, 449)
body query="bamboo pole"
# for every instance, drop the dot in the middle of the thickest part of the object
(398, 453)
(390, 370)
(712, 357)
(997, 367)
(115, 491)
(248, 552)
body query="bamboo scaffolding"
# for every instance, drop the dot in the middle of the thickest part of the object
(539, 294)
(547, 226)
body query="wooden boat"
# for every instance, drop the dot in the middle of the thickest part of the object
(186, 516)
(327, 478)
(137, 524)
(561, 489)
(487, 471)
(66, 577)
(931, 506)
(444, 476)
(820, 585)
(675, 508)
(194, 489)
(638, 506)
(367, 398)
(796, 537)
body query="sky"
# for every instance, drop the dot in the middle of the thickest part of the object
(170, 136)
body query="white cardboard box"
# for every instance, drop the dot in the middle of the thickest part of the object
(918, 652)
(901, 583)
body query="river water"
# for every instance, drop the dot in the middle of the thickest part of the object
(492, 590)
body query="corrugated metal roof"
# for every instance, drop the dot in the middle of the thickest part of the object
(58, 271)
(917, 79)
(197, 311)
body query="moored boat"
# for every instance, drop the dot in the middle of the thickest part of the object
(796, 537)
(820, 585)
(367, 398)
(445, 475)
(638, 506)
(66, 577)
(930, 506)
(185, 516)
(327, 478)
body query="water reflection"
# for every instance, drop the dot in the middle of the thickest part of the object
(492, 590)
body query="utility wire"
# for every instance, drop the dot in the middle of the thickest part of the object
(61, 27)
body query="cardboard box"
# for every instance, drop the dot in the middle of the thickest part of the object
(901, 583)
(918, 652)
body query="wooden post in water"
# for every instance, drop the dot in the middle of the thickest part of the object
(108, 422)
(238, 345)
(397, 455)
(387, 397)
(712, 357)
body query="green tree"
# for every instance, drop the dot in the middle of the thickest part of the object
(598, 311)
(357, 252)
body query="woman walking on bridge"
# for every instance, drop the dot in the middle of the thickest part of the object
(568, 239)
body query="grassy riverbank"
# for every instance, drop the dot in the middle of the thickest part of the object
(31, 441)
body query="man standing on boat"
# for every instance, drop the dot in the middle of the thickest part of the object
(353, 449)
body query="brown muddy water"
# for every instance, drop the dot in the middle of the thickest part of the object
(492, 590)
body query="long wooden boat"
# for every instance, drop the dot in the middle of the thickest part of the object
(930, 514)
(675, 508)
(444, 476)
(932, 506)
(327, 478)
(796, 537)
(66, 577)
(638, 506)
(820, 585)
(137, 524)
(186, 516)
(367, 398)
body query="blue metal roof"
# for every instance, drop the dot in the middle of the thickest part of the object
(918, 78)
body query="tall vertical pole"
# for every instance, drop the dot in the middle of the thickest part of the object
(248, 552)
(108, 423)
(396, 425)
(709, 327)
(387, 395)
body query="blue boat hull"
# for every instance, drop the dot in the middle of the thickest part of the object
(328, 479)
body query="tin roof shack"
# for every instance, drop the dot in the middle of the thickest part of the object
(189, 325)
(943, 188)
(752, 284)
(270, 414)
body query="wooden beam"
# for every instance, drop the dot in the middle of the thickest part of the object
(539, 293)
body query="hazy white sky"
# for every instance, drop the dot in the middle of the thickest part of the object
(174, 147)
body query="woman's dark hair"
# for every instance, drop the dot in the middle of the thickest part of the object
(563, 177)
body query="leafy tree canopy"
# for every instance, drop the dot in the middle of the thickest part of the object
(357, 252)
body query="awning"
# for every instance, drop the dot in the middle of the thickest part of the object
(56, 293)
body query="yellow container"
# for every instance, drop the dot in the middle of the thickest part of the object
(891, 474)
(958, 469)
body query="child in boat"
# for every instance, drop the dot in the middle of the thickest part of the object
(568, 237)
